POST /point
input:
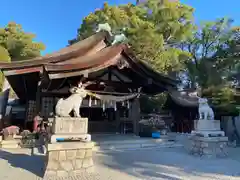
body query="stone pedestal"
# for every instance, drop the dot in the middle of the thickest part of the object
(208, 146)
(207, 128)
(67, 125)
(70, 149)
(69, 158)
(207, 139)
(10, 144)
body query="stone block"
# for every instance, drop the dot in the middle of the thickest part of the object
(88, 153)
(67, 165)
(71, 154)
(62, 174)
(53, 155)
(66, 125)
(53, 165)
(9, 144)
(208, 151)
(90, 169)
(207, 125)
(88, 162)
(80, 154)
(50, 174)
(77, 163)
(79, 171)
(62, 155)
(69, 146)
(204, 144)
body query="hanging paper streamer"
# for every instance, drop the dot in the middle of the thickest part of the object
(115, 106)
(111, 103)
(128, 104)
(123, 103)
(90, 102)
(95, 101)
(103, 106)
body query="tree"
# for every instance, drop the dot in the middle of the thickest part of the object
(4, 57)
(150, 28)
(19, 44)
(208, 42)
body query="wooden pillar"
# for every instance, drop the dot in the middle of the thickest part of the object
(135, 115)
(38, 98)
(36, 117)
(117, 121)
(4, 101)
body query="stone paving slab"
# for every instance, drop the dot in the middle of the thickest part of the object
(142, 164)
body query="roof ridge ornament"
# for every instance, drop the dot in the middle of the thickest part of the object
(105, 27)
(119, 38)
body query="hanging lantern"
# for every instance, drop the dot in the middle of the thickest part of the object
(90, 102)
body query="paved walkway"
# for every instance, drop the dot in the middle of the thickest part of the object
(149, 164)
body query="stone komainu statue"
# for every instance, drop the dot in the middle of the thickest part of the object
(204, 110)
(104, 27)
(73, 103)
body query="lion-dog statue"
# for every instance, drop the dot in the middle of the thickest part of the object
(73, 103)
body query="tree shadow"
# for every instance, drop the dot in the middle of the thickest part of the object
(32, 163)
(167, 163)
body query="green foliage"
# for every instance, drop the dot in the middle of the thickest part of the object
(20, 45)
(215, 52)
(149, 27)
(4, 57)
(206, 43)
(155, 103)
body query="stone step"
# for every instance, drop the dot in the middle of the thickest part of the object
(133, 144)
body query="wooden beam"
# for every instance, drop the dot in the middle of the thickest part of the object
(117, 75)
(22, 71)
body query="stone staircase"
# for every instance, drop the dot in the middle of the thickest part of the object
(123, 142)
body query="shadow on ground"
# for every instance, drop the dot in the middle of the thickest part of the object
(32, 163)
(168, 163)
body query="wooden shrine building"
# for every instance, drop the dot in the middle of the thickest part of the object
(41, 81)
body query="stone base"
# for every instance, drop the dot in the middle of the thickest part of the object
(208, 133)
(10, 144)
(208, 146)
(75, 137)
(69, 158)
(66, 125)
(207, 125)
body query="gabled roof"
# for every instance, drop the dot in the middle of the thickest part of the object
(87, 56)
(85, 47)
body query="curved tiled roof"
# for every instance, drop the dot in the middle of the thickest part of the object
(87, 46)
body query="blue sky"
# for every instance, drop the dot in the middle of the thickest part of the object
(56, 21)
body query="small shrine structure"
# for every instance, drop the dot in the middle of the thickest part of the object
(109, 72)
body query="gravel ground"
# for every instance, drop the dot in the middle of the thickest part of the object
(149, 164)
